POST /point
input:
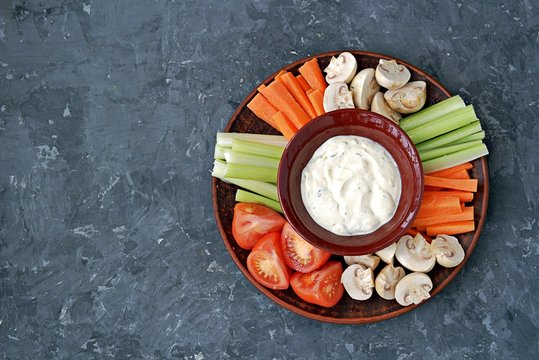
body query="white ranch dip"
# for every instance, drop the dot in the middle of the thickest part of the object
(351, 185)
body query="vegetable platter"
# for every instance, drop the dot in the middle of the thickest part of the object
(375, 308)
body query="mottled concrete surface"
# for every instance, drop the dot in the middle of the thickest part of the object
(108, 110)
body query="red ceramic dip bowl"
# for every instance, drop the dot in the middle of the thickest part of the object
(360, 123)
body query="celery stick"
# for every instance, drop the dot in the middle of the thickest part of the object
(219, 169)
(448, 138)
(263, 188)
(257, 149)
(250, 172)
(477, 136)
(219, 152)
(225, 139)
(236, 157)
(246, 196)
(432, 112)
(454, 159)
(442, 125)
(446, 150)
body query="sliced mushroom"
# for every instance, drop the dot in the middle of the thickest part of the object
(413, 289)
(341, 69)
(409, 98)
(391, 75)
(370, 261)
(380, 106)
(358, 281)
(364, 87)
(387, 254)
(337, 96)
(415, 253)
(387, 280)
(449, 253)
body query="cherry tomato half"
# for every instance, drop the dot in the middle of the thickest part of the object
(252, 221)
(299, 254)
(266, 263)
(321, 287)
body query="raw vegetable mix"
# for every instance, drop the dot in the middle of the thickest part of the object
(448, 136)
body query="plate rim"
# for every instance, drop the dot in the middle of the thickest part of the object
(332, 319)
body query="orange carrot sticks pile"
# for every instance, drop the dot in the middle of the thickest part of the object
(443, 209)
(290, 101)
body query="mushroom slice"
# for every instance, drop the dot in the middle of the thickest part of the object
(413, 289)
(341, 69)
(358, 281)
(370, 261)
(409, 98)
(364, 87)
(337, 96)
(391, 75)
(386, 281)
(387, 254)
(379, 106)
(449, 253)
(415, 253)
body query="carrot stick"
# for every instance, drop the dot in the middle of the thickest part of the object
(280, 73)
(456, 184)
(422, 229)
(461, 174)
(304, 84)
(465, 215)
(284, 125)
(294, 87)
(261, 87)
(317, 99)
(262, 108)
(279, 97)
(445, 172)
(439, 205)
(464, 196)
(454, 228)
(313, 75)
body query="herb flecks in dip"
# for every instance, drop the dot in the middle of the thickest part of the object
(351, 185)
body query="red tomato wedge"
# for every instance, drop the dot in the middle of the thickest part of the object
(321, 287)
(266, 263)
(299, 254)
(252, 221)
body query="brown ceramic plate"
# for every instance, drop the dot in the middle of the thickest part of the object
(347, 311)
(356, 122)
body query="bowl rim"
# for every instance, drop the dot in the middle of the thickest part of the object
(328, 318)
(408, 205)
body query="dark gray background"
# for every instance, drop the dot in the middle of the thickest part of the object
(108, 113)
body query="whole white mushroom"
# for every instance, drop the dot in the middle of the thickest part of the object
(364, 87)
(387, 254)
